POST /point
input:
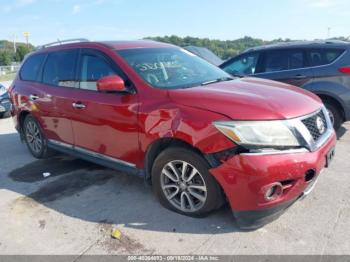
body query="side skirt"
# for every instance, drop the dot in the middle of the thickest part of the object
(96, 158)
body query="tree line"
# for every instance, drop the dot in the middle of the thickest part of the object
(8, 54)
(222, 48)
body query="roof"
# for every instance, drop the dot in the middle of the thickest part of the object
(205, 53)
(135, 44)
(117, 45)
(302, 44)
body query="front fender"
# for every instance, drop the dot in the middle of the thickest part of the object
(190, 125)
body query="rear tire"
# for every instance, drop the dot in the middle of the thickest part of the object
(34, 138)
(182, 183)
(334, 114)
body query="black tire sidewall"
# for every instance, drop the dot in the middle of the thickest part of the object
(214, 195)
(44, 149)
(336, 114)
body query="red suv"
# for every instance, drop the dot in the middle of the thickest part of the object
(200, 137)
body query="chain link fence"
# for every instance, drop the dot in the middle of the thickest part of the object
(8, 73)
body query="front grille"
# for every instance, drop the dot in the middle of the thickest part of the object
(312, 126)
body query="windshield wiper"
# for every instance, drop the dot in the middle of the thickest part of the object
(237, 75)
(222, 79)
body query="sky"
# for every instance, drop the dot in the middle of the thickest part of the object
(49, 20)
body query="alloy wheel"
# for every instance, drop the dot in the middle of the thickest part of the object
(183, 186)
(33, 136)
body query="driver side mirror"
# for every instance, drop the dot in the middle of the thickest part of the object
(112, 83)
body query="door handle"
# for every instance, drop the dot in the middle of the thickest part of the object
(78, 105)
(33, 97)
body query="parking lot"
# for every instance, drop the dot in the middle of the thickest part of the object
(74, 210)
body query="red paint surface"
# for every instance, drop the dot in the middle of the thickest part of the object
(123, 126)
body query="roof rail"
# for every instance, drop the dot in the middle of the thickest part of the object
(60, 42)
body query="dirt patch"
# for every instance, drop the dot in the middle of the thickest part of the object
(24, 206)
(24, 201)
(42, 223)
(125, 243)
(58, 165)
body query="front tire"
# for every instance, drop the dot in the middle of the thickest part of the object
(334, 114)
(183, 184)
(34, 138)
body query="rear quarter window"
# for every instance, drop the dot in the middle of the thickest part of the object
(319, 57)
(31, 67)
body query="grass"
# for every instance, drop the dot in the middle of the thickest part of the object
(7, 77)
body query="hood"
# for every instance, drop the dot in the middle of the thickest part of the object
(249, 99)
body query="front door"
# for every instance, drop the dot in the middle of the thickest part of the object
(104, 123)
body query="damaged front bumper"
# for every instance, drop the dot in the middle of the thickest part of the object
(260, 187)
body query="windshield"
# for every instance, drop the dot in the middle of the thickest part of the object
(172, 68)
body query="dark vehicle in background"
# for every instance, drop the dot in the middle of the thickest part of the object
(205, 53)
(322, 67)
(5, 105)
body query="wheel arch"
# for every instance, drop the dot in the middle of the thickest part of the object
(164, 143)
(22, 115)
(160, 145)
(322, 90)
(334, 101)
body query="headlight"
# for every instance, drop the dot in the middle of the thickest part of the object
(259, 133)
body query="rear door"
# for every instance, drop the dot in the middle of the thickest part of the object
(27, 93)
(285, 65)
(58, 82)
(104, 123)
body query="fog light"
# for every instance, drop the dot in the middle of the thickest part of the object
(310, 175)
(273, 191)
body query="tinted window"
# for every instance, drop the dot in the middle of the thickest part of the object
(243, 65)
(280, 60)
(93, 68)
(31, 67)
(59, 68)
(323, 56)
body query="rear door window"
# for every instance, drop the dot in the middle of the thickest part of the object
(31, 67)
(59, 68)
(281, 60)
(245, 64)
(319, 57)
